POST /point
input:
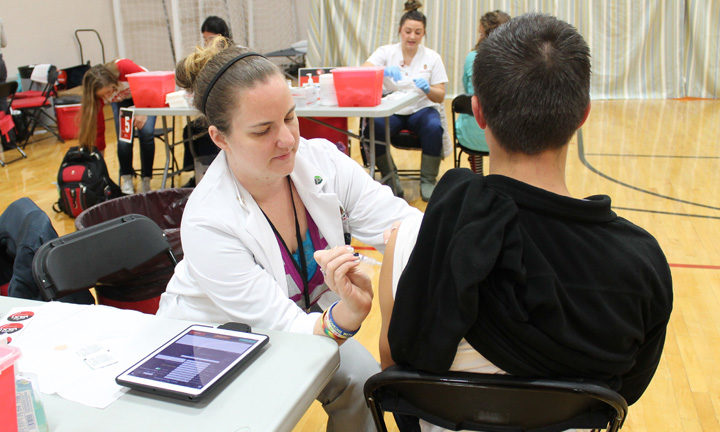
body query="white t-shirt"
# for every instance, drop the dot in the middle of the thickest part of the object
(426, 64)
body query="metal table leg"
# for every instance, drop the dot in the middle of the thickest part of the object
(167, 152)
(372, 147)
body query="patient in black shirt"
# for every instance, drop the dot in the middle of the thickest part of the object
(531, 280)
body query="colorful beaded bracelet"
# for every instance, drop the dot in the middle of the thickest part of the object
(332, 329)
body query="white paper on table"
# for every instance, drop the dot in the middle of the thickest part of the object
(51, 339)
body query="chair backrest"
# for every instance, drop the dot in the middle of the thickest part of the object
(46, 76)
(113, 249)
(462, 104)
(458, 400)
(8, 89)
(24, 228)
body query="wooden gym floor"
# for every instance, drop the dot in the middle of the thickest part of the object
(660, 162)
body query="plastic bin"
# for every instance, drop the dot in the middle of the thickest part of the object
(148, 89)
(358, 86)
(8, 409)
(165, 207)
(67, 117)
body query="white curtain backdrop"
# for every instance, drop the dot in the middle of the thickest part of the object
(640, 49)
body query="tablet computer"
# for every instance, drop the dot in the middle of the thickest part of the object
(192, 363)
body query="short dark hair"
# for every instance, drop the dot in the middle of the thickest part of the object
(216, 25)
(532, 79)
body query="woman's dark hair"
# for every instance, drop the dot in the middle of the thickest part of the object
(412, 13)
(196, 72)
(489, 22)
(216, 25)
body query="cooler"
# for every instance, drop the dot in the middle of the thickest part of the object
(68, 117)
(310, 129)
(8, 409)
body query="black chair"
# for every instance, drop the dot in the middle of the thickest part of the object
(118, 257)
(462, 104)
(7, 125)
(24, 228)
(493, 403)
(403, 140)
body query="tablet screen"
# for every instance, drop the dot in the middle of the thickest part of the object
(192, 361)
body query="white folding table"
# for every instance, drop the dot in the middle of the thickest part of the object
(271, 394)
(389, 105)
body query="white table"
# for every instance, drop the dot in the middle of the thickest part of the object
(271, 394)
(388, 106)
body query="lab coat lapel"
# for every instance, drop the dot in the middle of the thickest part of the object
(267, 252)
(323, 205)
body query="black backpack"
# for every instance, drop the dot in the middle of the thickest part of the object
(83, 181)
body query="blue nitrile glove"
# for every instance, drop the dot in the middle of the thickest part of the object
(422, 84)
(393, 72)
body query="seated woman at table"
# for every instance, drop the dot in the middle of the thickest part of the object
(107, 83)
(410, 61)
(214, 26)
(466, 128)
(266, 203)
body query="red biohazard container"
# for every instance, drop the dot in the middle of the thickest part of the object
(8, 409)
(67, 118)
(358, 86)
(148, 89)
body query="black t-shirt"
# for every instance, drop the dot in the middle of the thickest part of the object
(540, 284)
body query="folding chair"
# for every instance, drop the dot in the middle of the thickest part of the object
(403, 140)
(462, 104)
(119, 258)
(32, 106)
(7, 125)
(493, 403)
(24, 228)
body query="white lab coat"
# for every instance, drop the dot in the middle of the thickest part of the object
(233, 268)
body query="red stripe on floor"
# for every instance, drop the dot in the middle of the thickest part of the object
(697, 266)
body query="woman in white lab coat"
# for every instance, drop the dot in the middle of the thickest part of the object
(266, 203)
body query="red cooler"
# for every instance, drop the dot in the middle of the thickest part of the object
(310, 129)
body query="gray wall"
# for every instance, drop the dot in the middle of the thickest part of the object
(41, 31)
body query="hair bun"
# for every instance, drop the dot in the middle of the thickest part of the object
(412, 5)
(188, 69)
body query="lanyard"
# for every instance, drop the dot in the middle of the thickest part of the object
(302, 267)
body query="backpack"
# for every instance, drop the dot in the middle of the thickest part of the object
(8, 132)
(83, 181)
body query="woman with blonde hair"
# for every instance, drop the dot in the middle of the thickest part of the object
(107, 83)
(266, 232)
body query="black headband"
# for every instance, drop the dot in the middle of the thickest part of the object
(222, 70)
